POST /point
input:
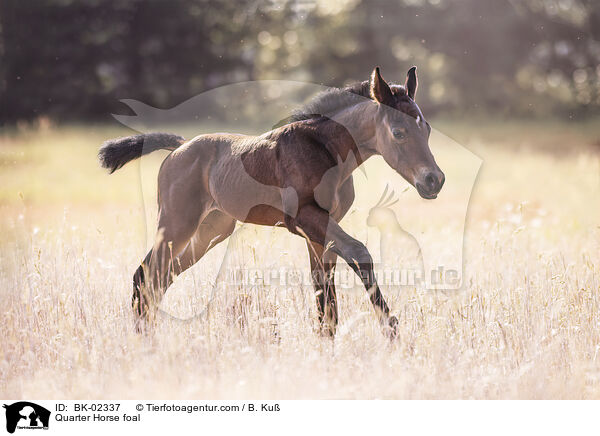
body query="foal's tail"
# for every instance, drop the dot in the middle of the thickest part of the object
(117, 152)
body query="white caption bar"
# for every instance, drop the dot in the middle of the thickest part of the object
(298, 417)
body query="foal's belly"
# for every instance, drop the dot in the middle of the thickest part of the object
(243, 198)
(264, 215)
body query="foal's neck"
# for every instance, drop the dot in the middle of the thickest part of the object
(359, 121)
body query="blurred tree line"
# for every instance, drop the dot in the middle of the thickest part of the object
(74, 59)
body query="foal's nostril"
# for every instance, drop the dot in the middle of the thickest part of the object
(430, 182)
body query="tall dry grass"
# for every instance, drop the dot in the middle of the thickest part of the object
(525, 325)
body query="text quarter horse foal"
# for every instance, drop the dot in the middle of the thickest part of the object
(298, 175)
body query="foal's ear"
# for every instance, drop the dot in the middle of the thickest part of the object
(380, 90)
(411, 82)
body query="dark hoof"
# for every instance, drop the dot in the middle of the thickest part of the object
(327, 331)
(327, 326)
(140, 326)
(391, 329)
(141, 314)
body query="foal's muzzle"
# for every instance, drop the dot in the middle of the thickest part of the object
(430, 183)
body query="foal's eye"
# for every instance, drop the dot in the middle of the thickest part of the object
(399, 133)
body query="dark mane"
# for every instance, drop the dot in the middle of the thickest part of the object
(335, 99)
(332, 100)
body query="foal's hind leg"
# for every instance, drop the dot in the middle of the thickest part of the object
(154, 276)
(322, 265)
(216, 227)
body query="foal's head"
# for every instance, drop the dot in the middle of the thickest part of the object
(402, 134)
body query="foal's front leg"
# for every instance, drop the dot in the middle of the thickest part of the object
(319, 227)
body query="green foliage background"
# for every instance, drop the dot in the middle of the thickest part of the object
(74, 59)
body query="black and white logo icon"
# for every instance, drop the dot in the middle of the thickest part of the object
(26, 415)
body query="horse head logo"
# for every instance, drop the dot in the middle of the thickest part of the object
(24, 414)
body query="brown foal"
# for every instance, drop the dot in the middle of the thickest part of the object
(298, 175)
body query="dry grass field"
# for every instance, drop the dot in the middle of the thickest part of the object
(526, 323)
